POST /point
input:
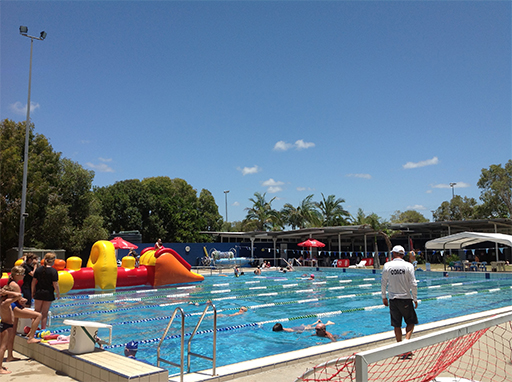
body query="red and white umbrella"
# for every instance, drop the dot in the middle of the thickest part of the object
(311, 243)
(120, 243)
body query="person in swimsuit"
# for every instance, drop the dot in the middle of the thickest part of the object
(279, 327)
(44, 286)
(158, 244)
(19, 311)
(131, 348)
(7, 325)
(321, 331)
(242, 310)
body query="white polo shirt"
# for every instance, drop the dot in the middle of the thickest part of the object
(398, 276)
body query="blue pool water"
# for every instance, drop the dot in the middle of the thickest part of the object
(351, 299)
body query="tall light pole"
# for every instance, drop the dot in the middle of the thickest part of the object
(226, 196)
(452, 185)
(23, 215)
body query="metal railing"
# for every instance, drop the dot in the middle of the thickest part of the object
(160, 359)
(181, 365)
(214, 355)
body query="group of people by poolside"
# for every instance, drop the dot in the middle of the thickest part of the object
(40, 283)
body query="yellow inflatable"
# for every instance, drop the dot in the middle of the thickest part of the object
(128, 262)
(66, 281)
(74, 263)
(103, 264)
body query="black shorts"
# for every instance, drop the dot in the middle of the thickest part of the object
(5, 326)
(44, 295)
(399, 309)
(27, 294)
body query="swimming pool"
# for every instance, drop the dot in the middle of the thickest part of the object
(349, 298)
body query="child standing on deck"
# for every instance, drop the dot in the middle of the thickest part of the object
(7, 325)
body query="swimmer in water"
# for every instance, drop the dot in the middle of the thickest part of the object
(242, 310)
(321, 331)
(279, 327)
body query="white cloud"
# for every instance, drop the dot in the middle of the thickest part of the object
(21, 109)
(273, 185)
(236, 204)
(456, 185)
(105, 159)
(249, 170)
(102, 167)
(272, 182)
(305, 189)
(363, 176)
(282, 146)
(423, 163)
(428, 191)
(300, 144)
(416, 207)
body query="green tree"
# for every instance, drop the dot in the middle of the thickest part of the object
(496, 191)
(302, 216)
(210, 219)
(380, 226)
(125, 206)
(261, 216)
(234, 226)
(59, 200)
(409, 216)
(458, 208)
(332, 211)
(159, 207)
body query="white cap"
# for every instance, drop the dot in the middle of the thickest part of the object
(398, 249)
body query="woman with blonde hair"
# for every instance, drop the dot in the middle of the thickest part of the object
(19, 311)
(44, 286)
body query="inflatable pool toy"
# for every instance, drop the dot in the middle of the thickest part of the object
(42, 333)
(60, 340)
(156, 268)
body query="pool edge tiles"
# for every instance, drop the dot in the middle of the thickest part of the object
(99, 365)
(321, 353)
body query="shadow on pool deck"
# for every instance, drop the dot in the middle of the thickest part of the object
(27, 369)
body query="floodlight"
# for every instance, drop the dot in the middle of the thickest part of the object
(23, 30)
(43, 35)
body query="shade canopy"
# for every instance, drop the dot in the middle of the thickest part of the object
(120, 243)
(311, 243)
(464, 239)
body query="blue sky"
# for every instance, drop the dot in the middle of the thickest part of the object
(382, 104)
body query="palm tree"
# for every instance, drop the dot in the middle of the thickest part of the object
(380, 227)
(332, 211)
(302, 216)
(260, 216)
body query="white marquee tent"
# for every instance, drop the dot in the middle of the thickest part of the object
(464, 239)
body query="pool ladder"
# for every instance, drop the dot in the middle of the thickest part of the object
(181, 365)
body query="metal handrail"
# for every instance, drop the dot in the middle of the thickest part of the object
(214, 357)
(181, 364)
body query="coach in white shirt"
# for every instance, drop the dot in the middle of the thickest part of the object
(398, 277)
